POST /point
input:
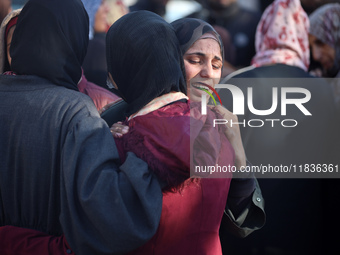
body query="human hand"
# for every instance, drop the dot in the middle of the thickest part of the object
(233, 134)
(118, 129)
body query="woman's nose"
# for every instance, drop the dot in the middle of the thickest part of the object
(207, 71)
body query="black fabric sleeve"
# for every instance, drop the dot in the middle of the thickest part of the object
(105, 209)
(244, 212)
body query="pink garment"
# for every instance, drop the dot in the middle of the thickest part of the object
(99, 95)
(17, 240)
(190, 220)
(282, 35)
(192, 208)
(162, 139)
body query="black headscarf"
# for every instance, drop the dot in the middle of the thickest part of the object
(50, 41)
(144, 58)
(189, 30)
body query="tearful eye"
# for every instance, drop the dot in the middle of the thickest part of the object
(217, 66)
(194, 61)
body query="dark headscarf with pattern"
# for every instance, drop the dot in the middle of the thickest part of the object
(325, 25)
(189, 30)
(50, 41)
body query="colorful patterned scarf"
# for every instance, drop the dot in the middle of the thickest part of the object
(282, 35)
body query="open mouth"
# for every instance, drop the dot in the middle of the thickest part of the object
(208, 89)
(203, 86)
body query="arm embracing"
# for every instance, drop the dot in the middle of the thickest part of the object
(105, 209)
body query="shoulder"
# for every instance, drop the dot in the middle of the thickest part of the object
(175, 115)
(67, 104)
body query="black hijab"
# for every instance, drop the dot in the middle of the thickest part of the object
(144, 58)
(50, 41)
(189, 30)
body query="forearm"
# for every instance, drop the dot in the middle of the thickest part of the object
(106, 209)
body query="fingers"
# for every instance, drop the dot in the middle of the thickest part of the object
(118, 129)
(225, 113)
(231, 118)
(233, 134)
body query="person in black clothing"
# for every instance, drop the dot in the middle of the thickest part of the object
(295, 206)
(60, 173)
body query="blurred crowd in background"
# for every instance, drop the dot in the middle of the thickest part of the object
(235, 20)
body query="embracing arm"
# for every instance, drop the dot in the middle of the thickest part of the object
(105, 209)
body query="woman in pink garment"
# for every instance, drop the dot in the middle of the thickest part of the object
(161, 131)
(157, 134)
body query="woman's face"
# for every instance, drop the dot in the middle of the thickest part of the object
(322, 52)
(203, 65)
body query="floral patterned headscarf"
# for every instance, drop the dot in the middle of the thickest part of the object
(282, 35)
